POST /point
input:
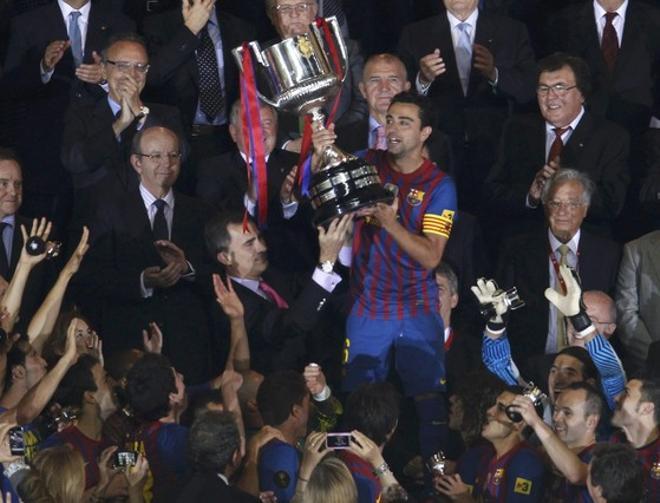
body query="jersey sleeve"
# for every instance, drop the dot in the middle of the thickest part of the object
(439, 215)
(525, 478)
(278, 471)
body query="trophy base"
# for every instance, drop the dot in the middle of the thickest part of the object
(346, 188)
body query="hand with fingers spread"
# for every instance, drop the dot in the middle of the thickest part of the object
(53, 54)
(313, 452)
(196, 14)
(227, 298)
(172, 254)
(571, 304)
(487, 292)
(155, 277)
(92, 73)
(152, 339)
(431, 66)
(332, 239)
(484, 61)
(453, 487)
(40, 229)
(286, 191)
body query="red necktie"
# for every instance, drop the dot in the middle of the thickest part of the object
(557, 144)
(275, 297)
(610, 42)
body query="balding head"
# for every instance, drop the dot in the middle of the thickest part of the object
(601, 310)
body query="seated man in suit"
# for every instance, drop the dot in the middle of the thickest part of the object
(532, 149)
(475, 66)
(53, 59)
(98, 136)
(637, 298)
(531, 263)
(291, 18)
(384, 77)
(279, 313)
(147, 261)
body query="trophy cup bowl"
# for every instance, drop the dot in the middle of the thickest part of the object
(296, 76)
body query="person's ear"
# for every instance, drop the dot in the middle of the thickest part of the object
(88, 397)
(18, 373)
(224, 258)
(454, 300)
(426, 132)
(363, 90)
(136, 162)
(592, 421)
(406, 85)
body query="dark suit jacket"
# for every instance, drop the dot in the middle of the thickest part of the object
(626, 95)
(121, 248)
(277, 336)
(524, 263)
(42, 122)
(210, 487)
(354, 137)
(173, 73)
(597, 147)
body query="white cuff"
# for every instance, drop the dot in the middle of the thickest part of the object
(422, 89)
(326, 280)
(144, 291)
(323, 395)
(289, 209)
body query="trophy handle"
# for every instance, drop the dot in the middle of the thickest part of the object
(260, 63)
(338, 39)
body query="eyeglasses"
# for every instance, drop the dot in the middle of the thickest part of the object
(125, 66)
(558, 89)
(299, 8)
(158, 157)
(567, 205)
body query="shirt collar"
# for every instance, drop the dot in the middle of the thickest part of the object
(223, 478)
(471, 20)
(10, 219)
(149, 198)
(250, 284)
(572, 244)
(114, 106)
(67, 9)
(373, 123)
(213, 17)
(549, 128)
(600, 12)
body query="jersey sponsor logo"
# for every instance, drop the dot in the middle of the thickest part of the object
(415, 197)
(498, 476)
(281, 479)
(522, 486)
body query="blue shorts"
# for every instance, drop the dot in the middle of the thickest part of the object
(418, 345)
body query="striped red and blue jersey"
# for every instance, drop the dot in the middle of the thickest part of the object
(649, 457)
(386, 282)
(562, 490)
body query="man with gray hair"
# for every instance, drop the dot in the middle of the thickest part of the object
(531, 262)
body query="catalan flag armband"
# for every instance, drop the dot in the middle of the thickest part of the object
(438, 224)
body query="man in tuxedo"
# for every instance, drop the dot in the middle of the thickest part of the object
(53, 59)
(531, 263)
(192, 67)
(474, 66)
(532, 149)
(281, 311)
(222, 182)
(11, 198)
(291, 18)
(384, 77)
(147, 263)
(98, 136)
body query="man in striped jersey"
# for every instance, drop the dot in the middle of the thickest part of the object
(395, 249)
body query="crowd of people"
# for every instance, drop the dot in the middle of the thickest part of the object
(174, 327)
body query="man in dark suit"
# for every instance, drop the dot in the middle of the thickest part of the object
(222, 182)
(384, 77)
(53, 59)
(11, 238)
(620, 41)
(474, 66)
(192, 67)
(147, 261)
(281, 311)
(532, 149)
(530, 262)
(291, 18)
(214, 449)
(98, 136)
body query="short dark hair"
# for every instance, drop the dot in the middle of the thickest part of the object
(445, 270)
(589, 370)
(78, 380)
(123, 37)
(578, 66)
(212, 441)
(373, 409)
(7, 154)
(617, 471)
(277, 395)
(423, 104)
(593, 405)
(650, 392)
(216, 233)
(148, 387)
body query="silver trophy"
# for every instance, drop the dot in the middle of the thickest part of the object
(537, 397)
(296, 75)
